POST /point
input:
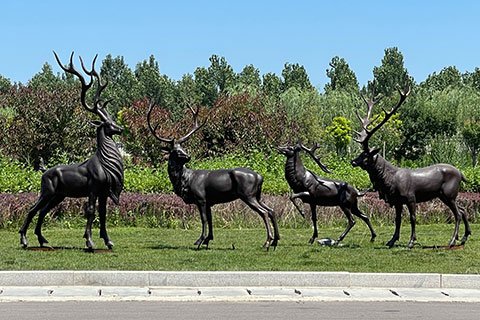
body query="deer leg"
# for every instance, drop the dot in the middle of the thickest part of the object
(202, 208)
(257, 207)
(398, 222)
(468, 231)
(210, 226)
(356, 211)
(41, 202)
(412, 209)
(90, 215)
(313, 210)
(273, 220)
(453, 207)
(43, 212)
(102, 214)
(300, 195)
(350, 223)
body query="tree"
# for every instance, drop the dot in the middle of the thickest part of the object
(271, 85)
(448, 77)
(340, 132)
(123, 86)
(471, 137)
(45, 79)
(250, 77)
(221, 73)
(5, 84)
(391, 73)
(155, 86)
(341, 76)
(48, 124)
(295, 76)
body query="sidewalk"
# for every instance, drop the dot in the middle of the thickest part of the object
(235, 286)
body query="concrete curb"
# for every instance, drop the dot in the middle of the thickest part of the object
(237, 279)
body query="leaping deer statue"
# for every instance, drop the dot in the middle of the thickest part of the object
(402, 186)
(98, 178)
(319, 191)
(205, 188)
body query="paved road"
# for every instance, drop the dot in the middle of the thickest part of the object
(136, 310)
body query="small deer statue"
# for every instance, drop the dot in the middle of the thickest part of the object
(401, 186)
(99, 178)
(319, 191)
(205, 188)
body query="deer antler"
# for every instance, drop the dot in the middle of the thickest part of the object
(311, 153)
(196, 126)
(153, 130)
(99, 104)
(366, 133)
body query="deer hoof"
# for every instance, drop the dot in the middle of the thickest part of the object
(23, 241)
(312, 240)
(390, 243)
(109, 245)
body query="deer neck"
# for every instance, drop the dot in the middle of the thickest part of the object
(179, 176)
(111, 162)
(294, 172)
(382, 173)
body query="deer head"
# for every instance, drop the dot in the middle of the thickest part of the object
(290, 151)
(98, 105)
(367, 157)
(172, 145)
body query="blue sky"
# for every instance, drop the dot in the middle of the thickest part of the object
(182, 35)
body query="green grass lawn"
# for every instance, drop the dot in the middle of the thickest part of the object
(173, 249)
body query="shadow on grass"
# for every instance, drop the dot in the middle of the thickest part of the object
(62, 248)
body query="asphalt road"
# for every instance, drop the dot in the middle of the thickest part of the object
(136, 310)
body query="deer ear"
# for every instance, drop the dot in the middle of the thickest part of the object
(96, 123)
(374, 151)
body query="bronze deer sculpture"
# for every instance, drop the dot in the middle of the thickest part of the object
(98, 178)
(402, 186)
(205, 188)
(319, 191)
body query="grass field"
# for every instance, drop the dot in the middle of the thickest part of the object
(173, 249)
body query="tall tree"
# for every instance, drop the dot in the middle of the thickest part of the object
(448, 77)
(271, 84)
(295, 76)
(391, 73)
(250, 77)
(341, 76)
(221, 73)
(5, 84)
(123, 86)
(154, 85)
(45, 79)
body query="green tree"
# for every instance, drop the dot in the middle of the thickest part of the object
(341, 76)
(221, 73)
(5, 84)
(155, 86)
(295, 76)
(45, 79)
(471, 137)
(250, 77)
(391, 73)
(448, 77)
(123, 87)
(271, 85)
(340, 132)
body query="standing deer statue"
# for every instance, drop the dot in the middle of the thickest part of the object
(98, 178)
(402, 186)
(205, 188)
(318, 191)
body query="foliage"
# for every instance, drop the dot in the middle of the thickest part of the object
(391, 73)
(340, 131)
(46, 123)
(295, 76)
(471, 136)
(341, 76)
